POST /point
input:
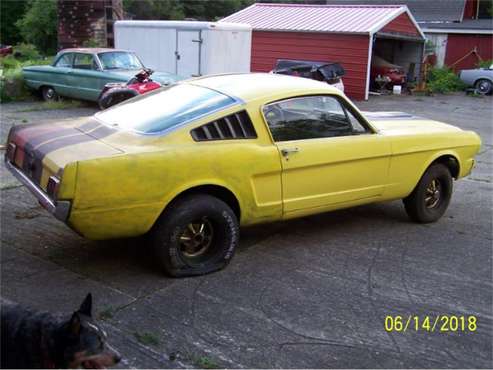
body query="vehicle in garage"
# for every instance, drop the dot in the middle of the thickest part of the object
(82, 73)
(480, 78)
(192, 162)
(380, 68)
(329, 72)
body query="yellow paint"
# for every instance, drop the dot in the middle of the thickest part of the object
(121, 184)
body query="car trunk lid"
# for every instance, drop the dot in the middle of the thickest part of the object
(41, 151)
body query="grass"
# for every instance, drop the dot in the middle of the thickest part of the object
(106, 313)
(146, 338)
(53, 105)
(205, 362)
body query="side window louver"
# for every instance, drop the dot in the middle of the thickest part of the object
(235, 126)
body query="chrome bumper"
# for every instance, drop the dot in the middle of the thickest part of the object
(60, 209)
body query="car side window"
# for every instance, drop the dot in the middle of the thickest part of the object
(310, 117)
(85, 61)
(65, 61)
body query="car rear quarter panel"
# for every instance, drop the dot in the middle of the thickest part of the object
(124, 195)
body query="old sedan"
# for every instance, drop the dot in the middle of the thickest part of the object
(192, 162)
(480, 78)
(83, 73)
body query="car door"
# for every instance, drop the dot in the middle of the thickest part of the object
(58, 78)
(85, 77)
(329, 154)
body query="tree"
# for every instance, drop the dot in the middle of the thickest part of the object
(154, 9)
(38, 25)
(179, 9)
(10, 12)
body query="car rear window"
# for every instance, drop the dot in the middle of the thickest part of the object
(165, 108)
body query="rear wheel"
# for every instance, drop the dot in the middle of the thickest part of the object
(196, 236)
(484, 86)
(431, 197)
(49, 93)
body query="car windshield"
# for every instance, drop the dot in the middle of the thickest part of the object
(119, 60)
(164, 108)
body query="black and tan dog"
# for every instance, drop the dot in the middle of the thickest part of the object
(33, 340)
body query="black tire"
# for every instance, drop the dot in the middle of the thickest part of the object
(431, 197)
(483, 86)
(49, 94)
(180, 249)
(115, 97)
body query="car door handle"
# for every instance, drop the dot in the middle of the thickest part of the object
(286, 151)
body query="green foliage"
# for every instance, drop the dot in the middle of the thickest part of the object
(485, 63)
(12, 86)
(206, 363)
(147, 338)
(154, 9)
(92, 43)
(444, 80)
(24, 52)
(38, 25)
(10, 12)
(179, 9)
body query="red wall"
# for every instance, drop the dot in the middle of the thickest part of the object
(349, 50)
(458, 45)
(403, 25)
(470, 9)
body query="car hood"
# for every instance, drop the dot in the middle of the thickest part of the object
(399, 123)
(164, 78)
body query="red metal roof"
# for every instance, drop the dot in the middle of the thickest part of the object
(318, 18)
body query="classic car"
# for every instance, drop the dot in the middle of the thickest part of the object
(191, 162)
(380, 68)
(329, 72)
(83, 73)
(480, 78)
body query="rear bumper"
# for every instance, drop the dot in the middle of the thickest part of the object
(60, 209)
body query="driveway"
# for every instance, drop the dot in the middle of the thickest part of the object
(312, 292)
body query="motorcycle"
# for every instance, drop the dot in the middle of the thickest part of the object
(116, 92)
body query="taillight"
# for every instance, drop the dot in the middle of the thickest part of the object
(52, 187)
(11, 148)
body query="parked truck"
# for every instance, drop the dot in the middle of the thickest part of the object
(187, 48)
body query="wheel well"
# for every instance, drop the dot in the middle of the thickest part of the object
(451, 163)
(217, 191)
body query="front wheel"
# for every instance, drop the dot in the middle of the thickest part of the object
(196, 236)
(431, 197)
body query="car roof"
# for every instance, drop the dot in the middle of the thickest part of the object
(89, 50)
(250, 86)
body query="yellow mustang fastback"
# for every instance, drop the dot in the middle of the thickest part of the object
(191, 162)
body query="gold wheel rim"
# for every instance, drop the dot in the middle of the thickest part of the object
(433, 194)
(196, 238)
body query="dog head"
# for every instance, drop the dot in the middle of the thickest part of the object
(86, 342)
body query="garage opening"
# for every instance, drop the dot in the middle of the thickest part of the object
(395, 61)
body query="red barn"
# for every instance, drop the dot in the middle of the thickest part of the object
(460, 32)
(347, 34)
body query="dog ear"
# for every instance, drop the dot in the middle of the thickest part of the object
(86, 306)
(74, 324)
